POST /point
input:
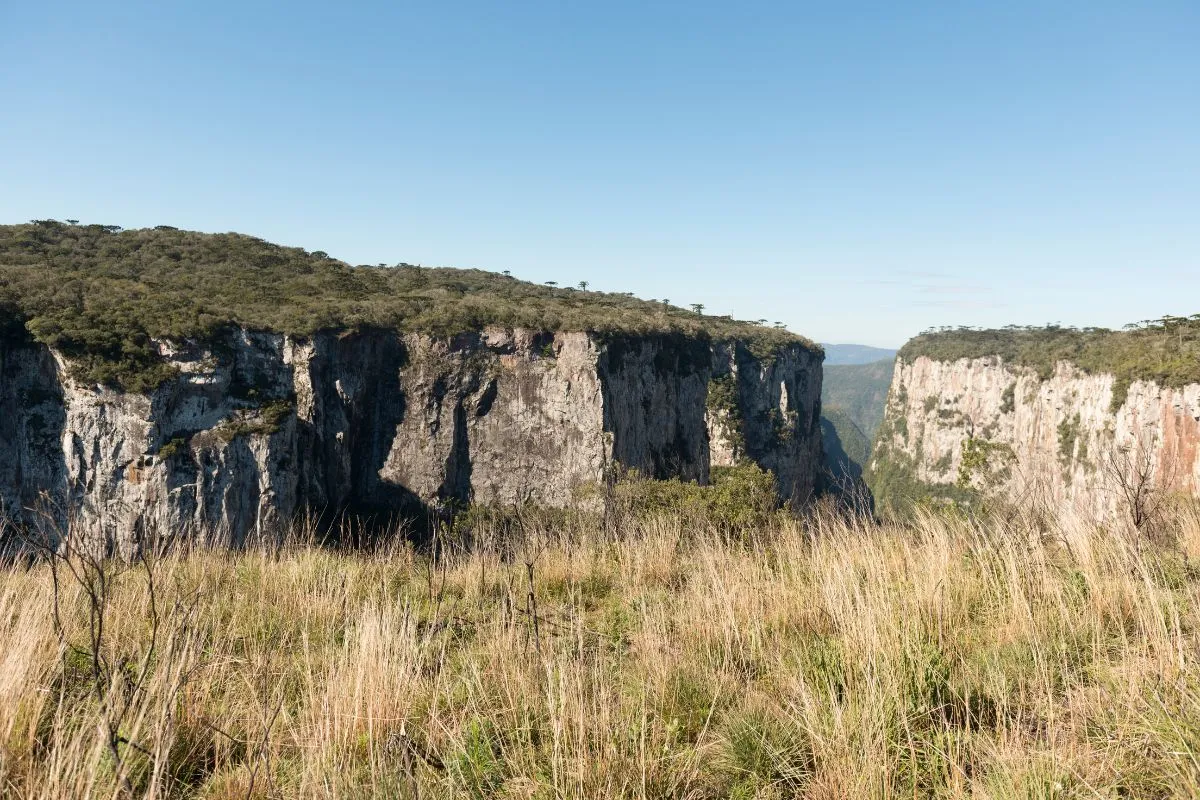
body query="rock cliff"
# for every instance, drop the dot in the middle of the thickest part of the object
(255, 427)
(1071, 436)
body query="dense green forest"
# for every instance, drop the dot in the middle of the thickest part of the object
(853, 397)
(858, 389)
(847, 447)
(100, 294)
(1165, 350)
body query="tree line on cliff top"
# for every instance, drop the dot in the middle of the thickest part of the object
(100, 294)
(1165, 350)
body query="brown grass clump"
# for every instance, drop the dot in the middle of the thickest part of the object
(821, 657)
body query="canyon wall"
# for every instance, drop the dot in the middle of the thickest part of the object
(1065, 438)
(257, 428)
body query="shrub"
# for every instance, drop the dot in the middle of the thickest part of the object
(736, 497)
(1008, 400)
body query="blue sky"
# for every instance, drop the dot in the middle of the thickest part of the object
(860, 171)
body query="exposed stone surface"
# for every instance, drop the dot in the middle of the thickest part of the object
(1067, 440)
(264, 426)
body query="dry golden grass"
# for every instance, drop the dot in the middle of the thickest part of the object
(819, 658)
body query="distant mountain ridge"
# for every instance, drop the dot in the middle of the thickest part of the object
(841, 354)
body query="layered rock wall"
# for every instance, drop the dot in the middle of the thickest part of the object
(1062, 437)
(260, 427)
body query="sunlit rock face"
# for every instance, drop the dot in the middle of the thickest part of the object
(259, 428)
(1069, 442)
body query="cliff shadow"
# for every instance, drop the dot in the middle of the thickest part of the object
(653, 389)
(837, 461)
(34, 489)
(359, 403)
(841, 474)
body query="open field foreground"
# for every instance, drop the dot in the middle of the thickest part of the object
(816, 658)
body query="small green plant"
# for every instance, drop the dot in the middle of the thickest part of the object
(761, 751)
(477, 767)
(172, 448)
(257, 422)
(783, 423)
(723, 401)
(1068, 437)
(687, 704)
(984, 464)
(1008, 400)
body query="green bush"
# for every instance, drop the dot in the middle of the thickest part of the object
(250, 422)
(1008, 400)
(736, 497)
(172, 448)
(1068, 435)
(984, 465)
(899, 493)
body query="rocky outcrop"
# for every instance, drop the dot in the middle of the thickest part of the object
(1062, 437)
(259, 427)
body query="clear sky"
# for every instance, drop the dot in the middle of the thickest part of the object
(859, 171)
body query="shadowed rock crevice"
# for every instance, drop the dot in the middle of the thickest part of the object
(347, 429)
(33, 468)
(456, 489)
(653, 391)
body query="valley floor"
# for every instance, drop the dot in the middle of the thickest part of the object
(816, 657)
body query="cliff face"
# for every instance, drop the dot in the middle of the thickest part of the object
(260, 427)
(1061, 435)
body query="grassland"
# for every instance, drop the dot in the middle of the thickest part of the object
(102, 295)
(652, 656)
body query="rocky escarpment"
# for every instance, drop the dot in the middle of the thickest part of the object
(1070, 437)
(255, 428)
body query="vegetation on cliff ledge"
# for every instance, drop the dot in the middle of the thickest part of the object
(101, 295)
(1165, 350)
